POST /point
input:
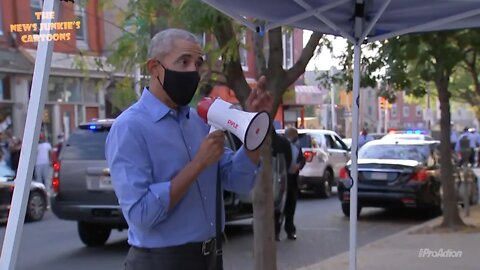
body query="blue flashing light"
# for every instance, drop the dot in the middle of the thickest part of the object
(92, 127)
(409, 132)
(418, 132)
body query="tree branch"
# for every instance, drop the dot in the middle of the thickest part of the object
(225, 33)
(299, 67)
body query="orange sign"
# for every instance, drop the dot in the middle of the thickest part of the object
(62, 29)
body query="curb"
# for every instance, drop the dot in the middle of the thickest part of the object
(341, 257)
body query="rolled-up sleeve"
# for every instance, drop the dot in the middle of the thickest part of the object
(144, 202)
(238, 171)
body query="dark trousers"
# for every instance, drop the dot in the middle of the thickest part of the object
(291, 203)
(185, 257)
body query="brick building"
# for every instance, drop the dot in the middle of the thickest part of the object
(73, 96)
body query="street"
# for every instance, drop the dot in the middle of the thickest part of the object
(322, 233)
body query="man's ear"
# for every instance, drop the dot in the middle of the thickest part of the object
(152, 65)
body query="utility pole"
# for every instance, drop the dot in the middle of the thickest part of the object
(379, 122)
(332, 97)
(429, 116)
(386, 117)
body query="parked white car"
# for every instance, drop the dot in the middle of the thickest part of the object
(325, 155)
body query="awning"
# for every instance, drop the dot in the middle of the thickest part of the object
(65, 64)
(12, 61)
(380, 19)
(303, 95)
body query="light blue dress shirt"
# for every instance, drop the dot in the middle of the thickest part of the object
(148, 145)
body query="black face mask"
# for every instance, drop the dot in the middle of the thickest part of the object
(180, 86)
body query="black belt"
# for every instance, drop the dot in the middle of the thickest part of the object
(204, 248)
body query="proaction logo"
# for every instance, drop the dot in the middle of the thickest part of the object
(232, 123)
(441, 253)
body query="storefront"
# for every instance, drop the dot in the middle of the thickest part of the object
(70, 102)
(291, 112)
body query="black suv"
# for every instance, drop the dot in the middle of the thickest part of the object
(83, 189)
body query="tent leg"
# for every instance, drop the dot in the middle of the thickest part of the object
(354, 157)
(36, 104)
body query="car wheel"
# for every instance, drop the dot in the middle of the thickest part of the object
(346, 209)
(36, 206)
(93, 235)
(325, 189)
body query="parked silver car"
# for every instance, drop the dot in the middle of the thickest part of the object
(325, 154)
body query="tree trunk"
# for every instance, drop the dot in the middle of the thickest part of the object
(263, 214)
(451, 217)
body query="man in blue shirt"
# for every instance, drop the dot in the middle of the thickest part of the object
(164, 164)
(364, 138)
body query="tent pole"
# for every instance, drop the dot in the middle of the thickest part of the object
(354, 168)
(28, 155)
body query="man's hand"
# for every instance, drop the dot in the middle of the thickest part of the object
(259, 99)
(211, 150)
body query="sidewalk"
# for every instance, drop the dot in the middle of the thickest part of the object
(402, 250)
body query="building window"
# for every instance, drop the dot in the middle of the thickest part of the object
(243, 50)
(90, 92)
(394, 110)
(287, 42)
(5, 93)
(406, 111)
(82, 18)
(72, 90)
(419, 111)
(370, 110)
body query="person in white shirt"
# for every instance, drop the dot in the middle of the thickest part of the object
(43, 162)
(453, 136)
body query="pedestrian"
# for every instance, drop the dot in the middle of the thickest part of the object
(298, 161)
(364, 138)
(164, 164)
(15, 148)
(453, 136)
(58, 147)
(44, 160)
(465, 148)
(5, 147)
(280, 149)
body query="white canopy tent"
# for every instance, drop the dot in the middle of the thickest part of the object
(360, 22)
(357, 21)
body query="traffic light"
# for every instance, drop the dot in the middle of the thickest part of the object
(382, 102)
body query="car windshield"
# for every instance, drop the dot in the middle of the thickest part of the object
(402, 152)
(85, 145)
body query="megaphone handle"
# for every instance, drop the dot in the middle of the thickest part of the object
(213, 129)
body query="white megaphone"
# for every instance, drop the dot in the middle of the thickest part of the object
(251, 128)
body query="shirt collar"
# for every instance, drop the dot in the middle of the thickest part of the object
(157, 109)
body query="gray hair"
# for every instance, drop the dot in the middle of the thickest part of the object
(162, 43)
